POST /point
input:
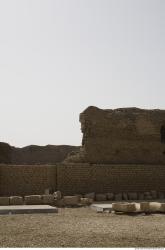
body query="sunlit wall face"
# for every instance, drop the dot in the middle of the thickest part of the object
(57, 57)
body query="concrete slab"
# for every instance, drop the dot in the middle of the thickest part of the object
(27, 209)
(101, 207)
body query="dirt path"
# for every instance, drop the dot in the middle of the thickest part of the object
(82, 227)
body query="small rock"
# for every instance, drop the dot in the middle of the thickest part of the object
(57, 195)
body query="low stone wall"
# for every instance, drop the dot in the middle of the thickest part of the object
(73, 179)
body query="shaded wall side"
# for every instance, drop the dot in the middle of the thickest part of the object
(83, 178)
(26, 179)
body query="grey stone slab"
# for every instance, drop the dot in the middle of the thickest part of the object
(27, 209)
(101, 207)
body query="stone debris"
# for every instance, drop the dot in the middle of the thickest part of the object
(48, 199)
(57, 195)
(124, 207)
(71, 200)
(4, 201)
(33, 200)
(145, 207)
(16, 200)
(86, 201)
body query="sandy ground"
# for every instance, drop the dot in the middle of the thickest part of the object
(82, 227)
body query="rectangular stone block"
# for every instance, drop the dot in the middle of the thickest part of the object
(4, 201)
(33, 200)
(48, 199)
(86, 201)
(16, 200)
(71, 200)
(155, 206)
(145, 207)
(124, 207)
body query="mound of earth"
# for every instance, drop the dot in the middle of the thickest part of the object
(34, 154)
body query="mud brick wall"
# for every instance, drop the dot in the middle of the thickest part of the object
(83, 178)
(26, 179)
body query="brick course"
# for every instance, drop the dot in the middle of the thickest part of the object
(81, 178)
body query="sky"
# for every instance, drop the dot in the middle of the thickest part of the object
(57, 57)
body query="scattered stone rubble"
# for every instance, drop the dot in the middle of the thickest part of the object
(142, 207)
(57, 199)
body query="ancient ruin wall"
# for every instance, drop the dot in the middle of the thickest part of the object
(99, 178)
(81, 178)
(26, 179)
(33, 154)
(122, 136)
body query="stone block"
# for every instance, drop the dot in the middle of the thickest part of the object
(71, 200)
(33, 200)
(86, 201)
(145, 207)
(59, 203)
(155, 206)
(79, 196)
(57, 195)
(4, 201)
(90, 195)
(124, 207)
(162, 208)
(101, 197)
(132, 196)
(118, 197)
(110, 196)
(16, 200)
(48, 199)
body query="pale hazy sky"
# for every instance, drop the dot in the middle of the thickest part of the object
(59, 56)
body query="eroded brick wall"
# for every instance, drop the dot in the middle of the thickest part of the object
(80, 178)
(83, 178)
(26, 179)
